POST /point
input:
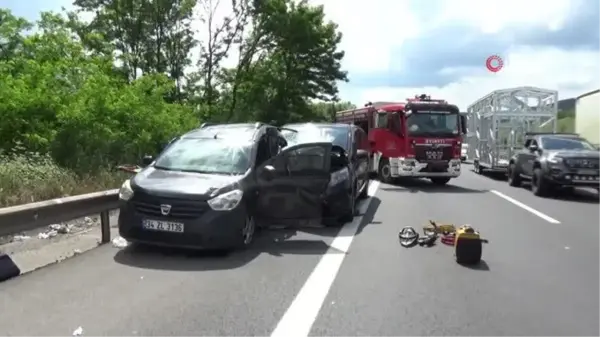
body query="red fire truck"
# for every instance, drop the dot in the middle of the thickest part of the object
(419, 138)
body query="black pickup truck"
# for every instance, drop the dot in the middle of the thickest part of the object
(554, 161)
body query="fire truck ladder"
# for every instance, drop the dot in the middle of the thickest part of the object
(498, 122)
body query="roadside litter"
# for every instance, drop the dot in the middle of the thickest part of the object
(119, 242)
(467, 242)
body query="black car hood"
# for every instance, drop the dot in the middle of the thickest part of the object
(592, 154)
(175, 183)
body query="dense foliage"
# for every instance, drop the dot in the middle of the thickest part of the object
(85, 94)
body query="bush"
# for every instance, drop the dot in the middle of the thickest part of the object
(31, 177)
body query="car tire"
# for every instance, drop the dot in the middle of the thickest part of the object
(440, 181)
(365, 192)
(384, 173)
(514, 179)
(348, 216)
(248, 232)
(539, 186)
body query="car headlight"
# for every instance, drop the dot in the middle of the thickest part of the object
(226, 201)
(555, 160)
(125, 193)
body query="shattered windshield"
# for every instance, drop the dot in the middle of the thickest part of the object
(433, 123)
(206, 155)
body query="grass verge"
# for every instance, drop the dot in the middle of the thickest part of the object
(32, 177)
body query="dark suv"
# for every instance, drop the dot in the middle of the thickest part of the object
(555, 160)
(211, 186)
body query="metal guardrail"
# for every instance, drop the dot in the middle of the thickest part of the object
(26, 217)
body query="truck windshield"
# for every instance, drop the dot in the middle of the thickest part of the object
(206, 155)
(433, 124)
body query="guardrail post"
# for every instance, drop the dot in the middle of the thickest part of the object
(105, 226)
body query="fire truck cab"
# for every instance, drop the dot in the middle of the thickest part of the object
(419, 138)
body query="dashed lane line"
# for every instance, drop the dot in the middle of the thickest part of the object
(525, 207)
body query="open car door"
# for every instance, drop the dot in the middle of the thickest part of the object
(291, 185)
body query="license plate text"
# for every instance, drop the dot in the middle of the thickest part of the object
(163, 226)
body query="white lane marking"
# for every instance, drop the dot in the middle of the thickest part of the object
(300, 316)
(525, 207)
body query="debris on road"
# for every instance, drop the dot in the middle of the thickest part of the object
(46, 235)
(78, 331)
(21, 237)
(467, 242)
(119, 242)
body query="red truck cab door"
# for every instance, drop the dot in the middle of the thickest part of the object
(386, 137)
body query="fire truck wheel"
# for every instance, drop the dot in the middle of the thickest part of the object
(440, 181)
(385, 172)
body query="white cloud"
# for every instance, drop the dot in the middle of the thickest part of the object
(373, 29)
(370, 30)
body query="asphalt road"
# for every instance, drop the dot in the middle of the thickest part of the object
(540, 276)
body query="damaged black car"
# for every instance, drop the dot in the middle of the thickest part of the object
(349, 180)
(211, 187)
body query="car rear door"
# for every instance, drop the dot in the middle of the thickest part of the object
(291, 185)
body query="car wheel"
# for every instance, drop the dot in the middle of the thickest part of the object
(440, 181)
(348, 216)
(385, 171)
(365, 192)
(248, 231)
(539, 186)
(514, 179)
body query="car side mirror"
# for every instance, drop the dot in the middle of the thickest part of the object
(268, 172)
(147, 160)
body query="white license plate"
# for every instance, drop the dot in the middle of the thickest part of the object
(163, 226)
(588, 172)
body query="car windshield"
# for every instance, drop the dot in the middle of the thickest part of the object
(316, 133)
(206, 155)
(433, 123)
(557, 143)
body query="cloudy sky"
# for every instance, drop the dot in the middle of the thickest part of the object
(398, 48)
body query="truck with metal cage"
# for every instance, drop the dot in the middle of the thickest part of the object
(419, 138)
(497, 124)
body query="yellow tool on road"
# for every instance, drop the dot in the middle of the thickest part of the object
(439, 228)
(468, 245)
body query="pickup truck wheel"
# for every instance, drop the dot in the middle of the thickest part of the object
(385, 171)
(440, 181)
(539, 186)
(514, 179)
